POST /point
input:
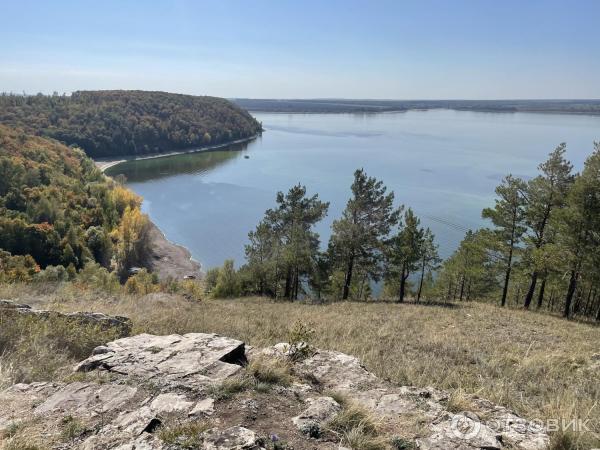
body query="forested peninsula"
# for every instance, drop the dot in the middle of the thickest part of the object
(129, 123)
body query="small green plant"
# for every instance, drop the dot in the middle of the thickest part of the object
(399, 443)
(299, 337)
(12, 429)
(71, 428)
(186, 435)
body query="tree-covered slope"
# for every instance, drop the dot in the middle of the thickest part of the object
(56, 207)
(113, 123)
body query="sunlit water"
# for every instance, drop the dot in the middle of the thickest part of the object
(444, 164)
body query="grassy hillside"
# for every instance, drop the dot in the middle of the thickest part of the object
(541, 366)
(112, 123)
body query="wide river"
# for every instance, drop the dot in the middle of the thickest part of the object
(444, 164)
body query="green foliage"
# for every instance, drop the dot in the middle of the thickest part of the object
(56, 207)
(508, 218)
(283, 249)
(357, 239)
(404, 251)
(210, 278)
(228, 282)
(142, 283)
(16, 268)
(299, 339)
(110, 123)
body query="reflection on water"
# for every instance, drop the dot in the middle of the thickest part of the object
(154, 168)
(444, 164)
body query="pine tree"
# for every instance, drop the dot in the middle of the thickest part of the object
(284, 245)
(405, 251)
(508, 219)
(544, 195)
(430, 259)
(358, 236)
(580, 224)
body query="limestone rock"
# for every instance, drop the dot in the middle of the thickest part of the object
(320, 410)
(91, 398)
(192, 360)
(234, 438)
(205, 407)
(169, 402)
(121, 324)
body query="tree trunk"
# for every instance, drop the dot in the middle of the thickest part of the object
(462, 288)
(531, 290)
(402, 285)
(570, 292)
(288, 283)
(505, 289)
(421, 282)
(348, 279)
(540, 299)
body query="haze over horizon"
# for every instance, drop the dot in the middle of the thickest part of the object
(345, 50)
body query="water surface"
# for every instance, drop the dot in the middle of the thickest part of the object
(444, 164)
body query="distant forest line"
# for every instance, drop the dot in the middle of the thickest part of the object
(127, 123)
(591, 107)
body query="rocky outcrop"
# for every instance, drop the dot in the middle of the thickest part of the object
(122, 325)
(191, 361)
(193, 391)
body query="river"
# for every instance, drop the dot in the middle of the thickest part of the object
(444, 164)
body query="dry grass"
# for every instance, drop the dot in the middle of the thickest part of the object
(535, 364)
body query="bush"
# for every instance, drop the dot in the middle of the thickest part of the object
(142, 283)
(52, 274)
(210, 279)
(228, 283)
(97, 277)
(16, 268)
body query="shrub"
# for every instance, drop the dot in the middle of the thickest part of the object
(97, 277)
(210, 279)
(52, 274)
(16, 268)
(228, 283)
(142, 283)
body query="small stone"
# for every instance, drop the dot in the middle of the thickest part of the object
(320, 410)
(166, 403)
(234, 438)
(205, 407)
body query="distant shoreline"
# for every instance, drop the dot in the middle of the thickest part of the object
(589, 107)
(104, 163)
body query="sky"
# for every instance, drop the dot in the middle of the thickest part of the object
(422, 49)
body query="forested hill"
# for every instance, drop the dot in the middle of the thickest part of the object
(57, 209)
(117, 123)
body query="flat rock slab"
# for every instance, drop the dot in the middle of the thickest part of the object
(91, 398)
(192, 360)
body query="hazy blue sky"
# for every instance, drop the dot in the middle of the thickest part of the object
(418, 49)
